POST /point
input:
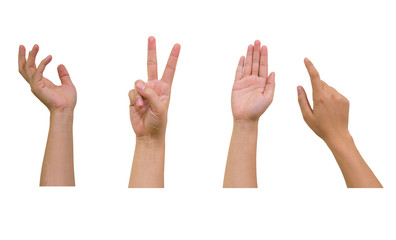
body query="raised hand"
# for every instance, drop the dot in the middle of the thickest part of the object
(329, 116)
(58, 166)
(329, 120)
(252, 94)
(53, 96)
(149, 101)
(148, 113)
(253, 89)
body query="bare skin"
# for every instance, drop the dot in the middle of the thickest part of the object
(149, 103)
(329, 120)
(252, 94)
(57, 168)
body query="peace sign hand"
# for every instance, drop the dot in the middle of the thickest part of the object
(149, 101)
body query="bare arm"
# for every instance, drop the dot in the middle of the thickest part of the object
(356, 172)
(252, 94)
(149, 103)
(329, 120)
(241, 162)
(57, 168)
(148, 163)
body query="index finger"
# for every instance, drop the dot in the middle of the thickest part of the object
(263, 72)
(170, 68)
(152, 60)
(313, 74)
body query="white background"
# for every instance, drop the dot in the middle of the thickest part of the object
(301, 192)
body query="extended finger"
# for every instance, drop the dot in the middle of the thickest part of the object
(152, 59)
(256, 58)
(248, 62)
(239, 70)
(64, 75)
(170, 68)
(313, 74)
(263, 72)
(22, 59)
(40, 69)
(305, 107)
(269, 89)
(31, 61)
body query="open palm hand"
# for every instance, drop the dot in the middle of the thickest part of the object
(253, 89)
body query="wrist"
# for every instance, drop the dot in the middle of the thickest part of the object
(246, 124)
(153, 150)
(150, 143)
(62, 112)
(64, 115)
(149, 139)
(340, 141)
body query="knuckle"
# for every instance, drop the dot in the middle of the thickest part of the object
(320, 100)
(346, 101)
(151, 62)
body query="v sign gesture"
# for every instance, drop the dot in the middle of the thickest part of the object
(149, 102)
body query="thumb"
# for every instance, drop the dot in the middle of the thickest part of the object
(149, 94)
(306, 109)
(64, 75)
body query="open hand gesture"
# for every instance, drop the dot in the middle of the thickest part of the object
(53, 96)
(253, 89)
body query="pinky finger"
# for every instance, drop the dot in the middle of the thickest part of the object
(239, 71)
(131, 95)
(21, 59)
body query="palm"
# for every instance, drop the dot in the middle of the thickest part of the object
(150, 117)
(253, 89)
(248, 100)
(55, 97)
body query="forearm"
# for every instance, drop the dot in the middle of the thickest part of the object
(148, 163)
(241, 161)
(355, 170)
(58, 168)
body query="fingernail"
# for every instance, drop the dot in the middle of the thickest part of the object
(139, 102)
(299, 89)
(141, 86)
(306, 59)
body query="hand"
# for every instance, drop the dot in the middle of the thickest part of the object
(253, 89)
(53, 96)
(329, 116)
(149, 101)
